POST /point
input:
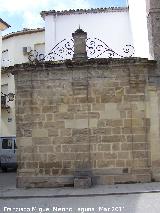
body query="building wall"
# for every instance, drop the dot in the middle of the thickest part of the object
(0, 65)
(8, 123)
(138, 21)
(113, 28)
(3, 26)
(153, 18)
(153, 12)
(0, 47)
(15, 45)
(154, 104)
(86, 118)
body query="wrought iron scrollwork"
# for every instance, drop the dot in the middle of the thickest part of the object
(129, 49)
(62, 51)
(95, 48)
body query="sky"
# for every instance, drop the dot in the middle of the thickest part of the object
(26, 13)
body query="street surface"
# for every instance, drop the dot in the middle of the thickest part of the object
(147, 203)
(7, 179)
(131, 203)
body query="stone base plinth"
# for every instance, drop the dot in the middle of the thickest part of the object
(44, 182)
(82, 182)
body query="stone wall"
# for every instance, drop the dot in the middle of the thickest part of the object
(77, 119)
(153, 16)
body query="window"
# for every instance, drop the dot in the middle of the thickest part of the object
(7, 143)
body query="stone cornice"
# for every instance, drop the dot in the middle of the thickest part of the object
(114, 62)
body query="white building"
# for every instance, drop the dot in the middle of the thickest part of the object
(16, 46)
(108, 25)
(116, 27)
(15, 50)
(138, 22)
(3, 26)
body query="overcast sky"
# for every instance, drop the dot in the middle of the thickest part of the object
(26, 13)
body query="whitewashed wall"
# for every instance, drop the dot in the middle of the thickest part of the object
(138, 20)
(0, 72)
(0, 49)
(15, 45)
(14, 55)
(111, 27)
(8, 124)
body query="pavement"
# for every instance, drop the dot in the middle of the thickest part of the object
(8, 189)
(126, 198)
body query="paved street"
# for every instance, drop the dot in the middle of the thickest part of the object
(147, 203)
(7, 179)
(125, 198)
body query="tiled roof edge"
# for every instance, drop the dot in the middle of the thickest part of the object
(23, 32)
(82, 11)
(5, 23)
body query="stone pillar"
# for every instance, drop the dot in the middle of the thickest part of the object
(79, 37)
(153, 12)
(154, 133)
